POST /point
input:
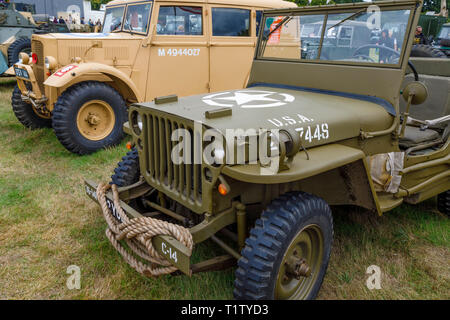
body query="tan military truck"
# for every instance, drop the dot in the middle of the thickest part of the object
(82, 84)
(256, 170)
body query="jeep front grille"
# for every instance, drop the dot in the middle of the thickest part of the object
(181, 182)
(38, 48)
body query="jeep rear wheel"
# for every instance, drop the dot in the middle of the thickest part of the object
(443, 203)
(89, 116)
(287, 253)
(27, 114)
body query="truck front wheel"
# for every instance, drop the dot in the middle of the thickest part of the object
(27, 114)
(88, 117)
(287, 253)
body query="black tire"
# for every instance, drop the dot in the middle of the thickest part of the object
(127, 171)
(25, 113)
(18, 46)
(422, 50)
(66, 111)
(262, 256)
(443, 203)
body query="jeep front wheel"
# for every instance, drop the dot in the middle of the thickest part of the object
(287, 253)
(89, 116)
(27, 114)
(128, 170)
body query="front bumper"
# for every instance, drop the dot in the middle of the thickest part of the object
(174, 251)
(35, 93)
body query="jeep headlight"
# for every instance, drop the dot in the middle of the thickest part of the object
(50, 63)
(137, 124)
(219, 155)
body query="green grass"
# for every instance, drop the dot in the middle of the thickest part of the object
(47, 223)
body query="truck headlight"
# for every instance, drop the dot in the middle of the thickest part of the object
(50, 63)
(24, 58)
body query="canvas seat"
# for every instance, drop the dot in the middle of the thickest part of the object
(415, 136)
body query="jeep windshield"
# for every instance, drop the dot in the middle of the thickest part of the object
(133, 18)
(353, 36)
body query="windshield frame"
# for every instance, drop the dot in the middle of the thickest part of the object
(407, 5)
(125, 11)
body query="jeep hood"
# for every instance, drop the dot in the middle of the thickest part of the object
(319, 117)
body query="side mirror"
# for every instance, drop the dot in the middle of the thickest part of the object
(416, 91)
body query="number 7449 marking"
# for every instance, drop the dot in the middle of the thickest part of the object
(317, 132)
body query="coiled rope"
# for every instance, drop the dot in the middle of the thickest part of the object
(138, 234)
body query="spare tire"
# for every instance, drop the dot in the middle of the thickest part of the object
(422, 50)
(18, 46)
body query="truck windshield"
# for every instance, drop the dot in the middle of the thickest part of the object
(355, 36)
(113, 19)
(137, 18)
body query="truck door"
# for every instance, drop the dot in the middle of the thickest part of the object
(233, 40)
(179, 59)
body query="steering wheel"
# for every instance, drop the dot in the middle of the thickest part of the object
(369, 46)
(375, 46)
(364, 56)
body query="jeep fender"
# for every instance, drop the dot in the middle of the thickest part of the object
(94, 72)
(337, 173)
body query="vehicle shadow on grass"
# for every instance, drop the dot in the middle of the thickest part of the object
(410, 244)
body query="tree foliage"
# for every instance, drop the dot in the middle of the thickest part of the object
(96, 3)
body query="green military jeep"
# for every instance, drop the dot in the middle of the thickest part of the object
(257, 170)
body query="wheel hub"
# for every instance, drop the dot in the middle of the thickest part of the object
(93, 119)
(300, 265)
(297, 267)
(96, 120)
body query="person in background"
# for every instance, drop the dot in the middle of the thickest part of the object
(99, 23)
(61, 20)
(82, 20)
(55, 20)
(91, 24)
(388, 42)
(419, 37)
(70, 19)
(393, 39)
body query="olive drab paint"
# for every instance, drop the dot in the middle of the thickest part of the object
(332, 117)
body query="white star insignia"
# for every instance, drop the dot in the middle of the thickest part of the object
(243, 98)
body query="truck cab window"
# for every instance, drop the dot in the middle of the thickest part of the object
(113, 19)
(229, 22)
(174, 20)
(137, 18)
